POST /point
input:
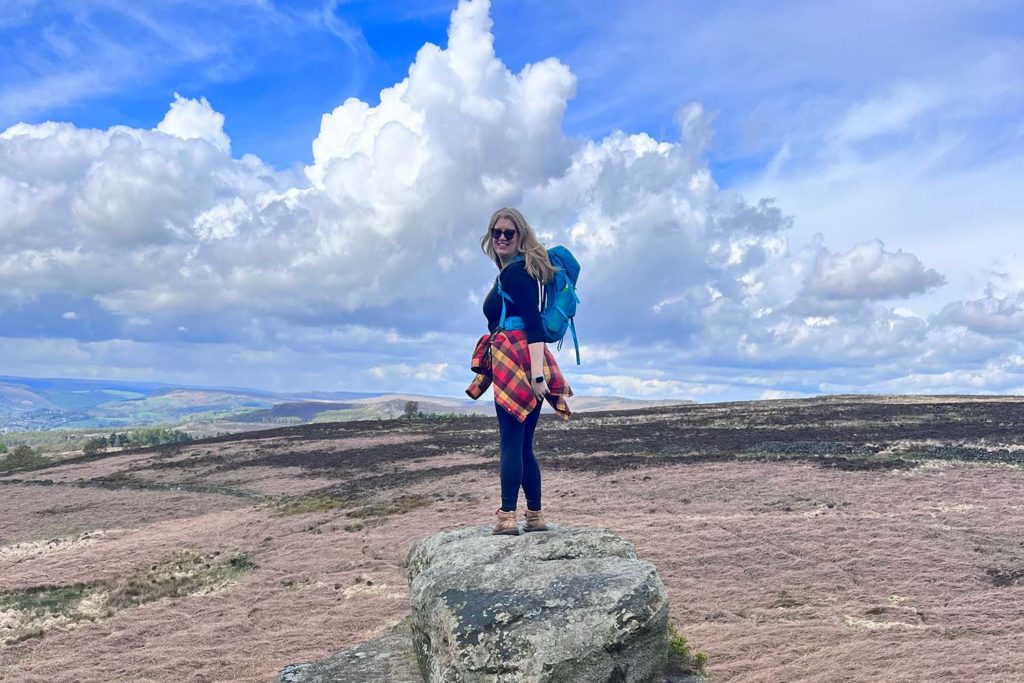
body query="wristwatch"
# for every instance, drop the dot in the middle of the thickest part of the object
(538, 379)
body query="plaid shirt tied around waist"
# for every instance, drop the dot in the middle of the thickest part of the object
(502, 358)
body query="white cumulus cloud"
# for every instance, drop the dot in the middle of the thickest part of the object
(993, 315)
(868, 271)
(368, 257)
(195, 120)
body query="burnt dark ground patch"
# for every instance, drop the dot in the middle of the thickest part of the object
(121, 483)
(850, 433)
(967, 453)
(847, 435)
(865, 465)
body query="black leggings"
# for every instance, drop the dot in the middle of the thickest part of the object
(518, 465)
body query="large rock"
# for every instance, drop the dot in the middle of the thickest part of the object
(387, 659)
(560, 606)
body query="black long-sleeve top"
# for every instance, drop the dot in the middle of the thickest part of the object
(520, 285)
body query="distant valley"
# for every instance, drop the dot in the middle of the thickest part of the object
(32, 405)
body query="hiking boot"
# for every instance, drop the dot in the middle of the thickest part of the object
(535, 521)
(506, 524)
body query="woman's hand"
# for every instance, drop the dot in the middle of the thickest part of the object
(540, 389)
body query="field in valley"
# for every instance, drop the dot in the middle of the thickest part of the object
(837, 539)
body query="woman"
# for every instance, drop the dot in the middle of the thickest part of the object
(513, 356)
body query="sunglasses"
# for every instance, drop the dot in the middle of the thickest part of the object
(496, 234)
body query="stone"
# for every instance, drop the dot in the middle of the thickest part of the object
(387, 659)
(560, 606)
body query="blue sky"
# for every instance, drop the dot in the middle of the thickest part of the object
(820, 198)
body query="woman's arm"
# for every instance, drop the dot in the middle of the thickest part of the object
(536, 360)
(540, 389)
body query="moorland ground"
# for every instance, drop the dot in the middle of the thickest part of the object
(837, 539)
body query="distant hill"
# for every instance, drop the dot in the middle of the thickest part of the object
(302, 411)
(20, 399)
(29, 404)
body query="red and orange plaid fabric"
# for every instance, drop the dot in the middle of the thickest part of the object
(502, 359)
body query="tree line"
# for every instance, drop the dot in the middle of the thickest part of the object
(139, 438)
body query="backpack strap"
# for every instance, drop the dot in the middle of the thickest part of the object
(575, 341)
(572, 324)
(504, 297)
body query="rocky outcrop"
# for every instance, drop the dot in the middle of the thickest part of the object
(563, 606)
(387, 659)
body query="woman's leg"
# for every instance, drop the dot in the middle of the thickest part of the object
(531, 468)
(512, 432)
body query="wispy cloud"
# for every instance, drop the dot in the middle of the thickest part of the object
(58, 54)
(342, 28)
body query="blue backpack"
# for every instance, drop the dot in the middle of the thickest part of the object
(557, 301)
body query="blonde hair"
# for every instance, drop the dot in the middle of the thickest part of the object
(538, 265)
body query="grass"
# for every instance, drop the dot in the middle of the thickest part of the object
(59, 529)
(187, 572)
(305, 506)
(398, 506)
(43, 608)
(41, 601)
(681, 658)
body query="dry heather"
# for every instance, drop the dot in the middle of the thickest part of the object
(834, 540)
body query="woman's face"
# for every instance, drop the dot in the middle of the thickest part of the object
(506, 244)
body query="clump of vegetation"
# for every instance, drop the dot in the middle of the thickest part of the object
(297, 584)
(49, 441)
(118, 439)
(22, 458)
(305, 506)
(95, 445)
(150, 436)
(412, 409)
(38, 609)
(42, 601)
(187, 573)
(121, 478)
(682, 660)
(3, 448)
(42, 608)
(398, 506)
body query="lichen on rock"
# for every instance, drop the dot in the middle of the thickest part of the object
(566, 605)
